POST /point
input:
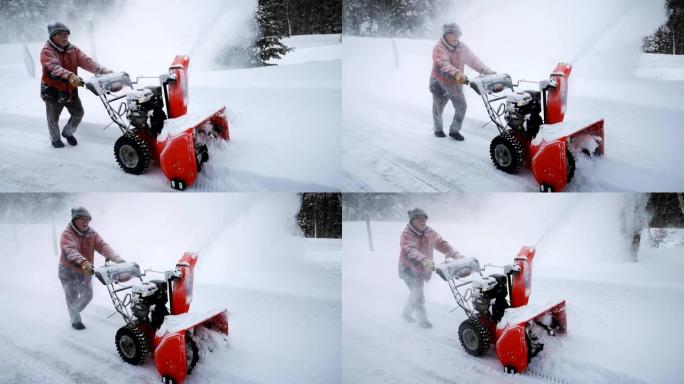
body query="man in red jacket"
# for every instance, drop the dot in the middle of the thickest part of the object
(449, 58)
(78, 244)
(416, 262)
(60, 61)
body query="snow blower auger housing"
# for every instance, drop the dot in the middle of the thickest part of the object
(547, 145)
(168, 333)
(498, 310)
(172, 137)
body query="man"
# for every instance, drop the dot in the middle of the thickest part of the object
(416, 262)
(449, 56)
(79, 243)
(60, 61)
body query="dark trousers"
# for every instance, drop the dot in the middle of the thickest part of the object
(78, 291)
(53, 109)
(441, 95)
(416, 299)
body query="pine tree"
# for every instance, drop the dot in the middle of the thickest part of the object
(271, 20)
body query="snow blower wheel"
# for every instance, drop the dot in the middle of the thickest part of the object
(506, 153)
(168, 380)
(191, 353)
(474, 336)
(132, 153)
(131, 344)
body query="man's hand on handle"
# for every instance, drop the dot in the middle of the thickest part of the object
(87, 268)
(428, 264)
(460, 78)
(75, 81)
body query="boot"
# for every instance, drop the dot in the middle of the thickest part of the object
(457, 136)
(440, 134)
(77, 325)
(71, 140)
(58, 144)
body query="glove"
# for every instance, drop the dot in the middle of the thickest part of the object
(75, 81)
(106, 71)
(87, 268)
(487, 71)
(428, 264)
(460, 78)
(453, 256)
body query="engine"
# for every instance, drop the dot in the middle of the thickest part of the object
(148, 302)
(145, 109)
(489, 296)
(523, 112)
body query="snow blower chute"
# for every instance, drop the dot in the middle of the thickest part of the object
(498, 310)
(175, 139)
(168, 333)
(548, 145)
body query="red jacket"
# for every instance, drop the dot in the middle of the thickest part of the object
(78, 247)
(416, 247)
(447, 61)
(60, 63)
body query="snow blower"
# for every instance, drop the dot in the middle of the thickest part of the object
(548, 145)
(168, 333)
(498, 310)
(176, 140)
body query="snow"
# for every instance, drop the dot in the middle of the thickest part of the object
(551, 132)
(623, 317)
(388, 144)
(176, 323)
(282, 291)
(518, 315)
(284, 121)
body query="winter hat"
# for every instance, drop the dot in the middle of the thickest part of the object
(57, 27)
(416, 212)
(79, 212)
(451, 27)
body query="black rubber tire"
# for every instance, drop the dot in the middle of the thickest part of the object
(132, 153)
(191, 353)
(474, 336)
(131, 344)
(506, 153)
(168, 380)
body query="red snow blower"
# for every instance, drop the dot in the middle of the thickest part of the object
(169, 333)
(498, 310)
(547, 145)
(176, 140)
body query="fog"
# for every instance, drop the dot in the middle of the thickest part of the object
(142, 37)
(527, 37)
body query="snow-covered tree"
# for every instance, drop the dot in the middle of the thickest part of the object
(669, 38)
(405, 18)
(270, 17)
(320, 215)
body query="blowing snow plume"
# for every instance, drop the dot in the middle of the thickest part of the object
(234, 234)
(144, 36)
(529, 37)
